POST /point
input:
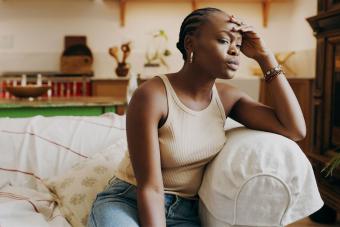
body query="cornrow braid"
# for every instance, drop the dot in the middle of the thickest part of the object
(191, 23)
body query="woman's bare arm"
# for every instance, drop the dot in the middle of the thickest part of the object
(284, 117)
(145, 111)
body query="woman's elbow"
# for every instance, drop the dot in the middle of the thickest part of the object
(299, 134)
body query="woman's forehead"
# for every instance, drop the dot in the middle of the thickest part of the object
(219, 22)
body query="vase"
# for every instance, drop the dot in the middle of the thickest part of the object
(122, 69)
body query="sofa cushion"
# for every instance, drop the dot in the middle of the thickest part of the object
(259, 179)
(40, 147)
(76, 189)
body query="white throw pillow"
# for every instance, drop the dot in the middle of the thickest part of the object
(76, 189)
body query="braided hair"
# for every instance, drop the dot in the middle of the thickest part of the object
(191, 23)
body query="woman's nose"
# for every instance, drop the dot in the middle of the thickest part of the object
(233, 50)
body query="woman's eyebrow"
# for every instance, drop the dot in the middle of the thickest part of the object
(239, 37)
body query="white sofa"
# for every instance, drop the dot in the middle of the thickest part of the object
(52, 167)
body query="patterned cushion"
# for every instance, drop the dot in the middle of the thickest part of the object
(76, 189)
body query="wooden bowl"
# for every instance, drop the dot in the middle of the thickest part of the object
(28, 91)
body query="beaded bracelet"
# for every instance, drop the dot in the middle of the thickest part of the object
(272, 73)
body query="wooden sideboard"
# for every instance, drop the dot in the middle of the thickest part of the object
(58, 106)
(109, 87)
(303, 89)
(115, 88)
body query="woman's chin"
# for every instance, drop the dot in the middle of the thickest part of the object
(228, 74)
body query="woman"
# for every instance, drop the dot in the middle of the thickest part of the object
(175, 123)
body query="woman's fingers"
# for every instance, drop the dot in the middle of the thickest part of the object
(244, 29)
(235, 20)
(248, 30)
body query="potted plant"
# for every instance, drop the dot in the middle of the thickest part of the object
(332, 165)
(157, 50)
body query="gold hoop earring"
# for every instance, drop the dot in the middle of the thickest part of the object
(191, 57)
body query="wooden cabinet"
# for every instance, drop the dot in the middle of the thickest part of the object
(109, 87)
(326, 98)
(115, 88)
(303, 89)
(328, 5)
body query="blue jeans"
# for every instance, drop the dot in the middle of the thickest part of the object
(116, 206)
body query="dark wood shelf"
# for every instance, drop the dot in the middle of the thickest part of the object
(195, 4)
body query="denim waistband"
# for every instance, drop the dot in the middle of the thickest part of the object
(170, 199)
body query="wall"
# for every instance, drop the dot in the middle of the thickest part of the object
(32, 31)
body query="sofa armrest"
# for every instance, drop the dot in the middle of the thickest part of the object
(258, 179)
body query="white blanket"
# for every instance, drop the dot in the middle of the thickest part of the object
(32, 149)
(21, 206)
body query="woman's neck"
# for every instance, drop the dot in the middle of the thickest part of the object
(194, 82)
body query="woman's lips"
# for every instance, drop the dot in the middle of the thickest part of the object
(233, 65)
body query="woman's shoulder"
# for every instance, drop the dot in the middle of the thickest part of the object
(150, 95)
(151, 88)
(149, 101)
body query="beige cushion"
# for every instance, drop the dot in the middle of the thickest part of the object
(76, 189)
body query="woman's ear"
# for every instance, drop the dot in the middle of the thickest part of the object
(188, 45)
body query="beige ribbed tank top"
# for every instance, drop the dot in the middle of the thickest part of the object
(188, 140)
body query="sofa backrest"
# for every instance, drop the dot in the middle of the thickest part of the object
(39, 147)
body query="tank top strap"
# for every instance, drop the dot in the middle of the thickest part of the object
(172, 96)
(219, 103)
(168, 88)
(167, 84)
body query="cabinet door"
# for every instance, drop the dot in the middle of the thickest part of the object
(111, 88)
(333, 5)
(332, 96)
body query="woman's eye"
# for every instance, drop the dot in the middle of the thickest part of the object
(224, 41)
(238, 46)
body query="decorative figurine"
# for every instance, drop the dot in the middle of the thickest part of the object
(123, 67)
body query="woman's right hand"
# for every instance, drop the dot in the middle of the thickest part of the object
(253, 46)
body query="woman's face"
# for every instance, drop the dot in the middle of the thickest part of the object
(217, 47)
